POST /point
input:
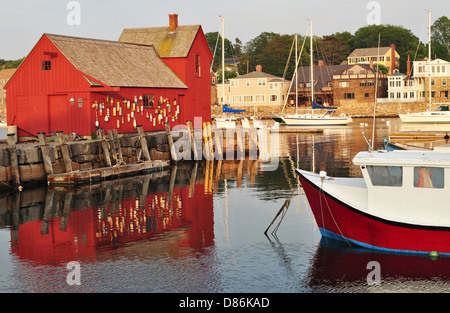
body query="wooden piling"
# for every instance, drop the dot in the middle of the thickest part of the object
(143, 142)
(65, 152)
(45, 154)
(14, 163)
(171, 146)
(193, 141)
(239, 143)
(105, 147)
(117, 144)
(218, 140)
(206, 142)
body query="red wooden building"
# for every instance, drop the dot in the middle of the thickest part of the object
(77, 85)
(185, 50)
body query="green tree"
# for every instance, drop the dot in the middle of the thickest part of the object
(215, 44)
(404, 39)
(334, 49)
(440, 38)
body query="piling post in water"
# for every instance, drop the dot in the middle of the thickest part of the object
(14, 163)
(171, 145)
(45, 154)
(240, 148)
(105, 147)
(65, 152)
(206, 149)
(143, 142)
(113, 147)
(192, 138)
(217, 140)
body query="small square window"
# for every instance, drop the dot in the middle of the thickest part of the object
(148, 101)
(46, 65)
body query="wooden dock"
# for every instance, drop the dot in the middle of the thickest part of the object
(90, 176)
(60, 160)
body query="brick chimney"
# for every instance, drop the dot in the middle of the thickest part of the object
(259, 68)
(371, 63)
(173, 22)
(321, 63)
(392, 59)
(408, 67)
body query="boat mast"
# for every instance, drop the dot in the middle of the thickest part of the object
(312, 70)
(429, 58)
(223, 57)
(296, 75)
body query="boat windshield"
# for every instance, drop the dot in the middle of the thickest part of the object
(386, 175)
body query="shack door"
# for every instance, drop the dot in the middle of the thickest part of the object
(60, 114)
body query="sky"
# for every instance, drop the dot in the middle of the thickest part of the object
(23, 22)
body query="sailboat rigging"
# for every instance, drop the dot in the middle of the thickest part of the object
(230, 121)
(311, 119)
(429, 116)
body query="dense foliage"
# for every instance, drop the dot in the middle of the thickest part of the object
(273, 50)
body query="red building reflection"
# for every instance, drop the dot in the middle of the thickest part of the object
(57, 226)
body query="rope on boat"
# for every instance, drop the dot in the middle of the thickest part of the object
(321, 192)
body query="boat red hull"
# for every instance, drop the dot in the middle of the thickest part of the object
(341, 221)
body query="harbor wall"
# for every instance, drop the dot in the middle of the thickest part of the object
(353, 108)
(84, 155)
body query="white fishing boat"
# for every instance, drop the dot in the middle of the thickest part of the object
(430, 116)
(311, 119)
(399, 205)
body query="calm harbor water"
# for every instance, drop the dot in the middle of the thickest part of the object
(192, 230)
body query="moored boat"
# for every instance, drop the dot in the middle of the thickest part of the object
(400, 204)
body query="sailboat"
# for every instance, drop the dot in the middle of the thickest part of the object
(429, 116)
(230, 121)
(312, 119)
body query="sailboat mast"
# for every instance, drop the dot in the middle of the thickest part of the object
(312, 68)
(296, 75)
(429, 58)
(223, 57)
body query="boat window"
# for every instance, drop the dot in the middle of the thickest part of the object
(386, 175)
(428, 177)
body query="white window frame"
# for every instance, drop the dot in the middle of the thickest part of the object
(273, 86)
(258, 98)
(236, 99)
(262, 82)
(246, 99)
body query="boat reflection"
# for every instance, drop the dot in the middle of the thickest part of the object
(53, 226)
(338, 267)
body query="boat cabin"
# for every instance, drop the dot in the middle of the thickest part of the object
(408, 186)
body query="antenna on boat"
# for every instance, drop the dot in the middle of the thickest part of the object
(368, 142)
(376, 93)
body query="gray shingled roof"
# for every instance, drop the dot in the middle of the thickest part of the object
(322, 75)
(169, 44)
(117, 64)
(362, 52)
(256, 74)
